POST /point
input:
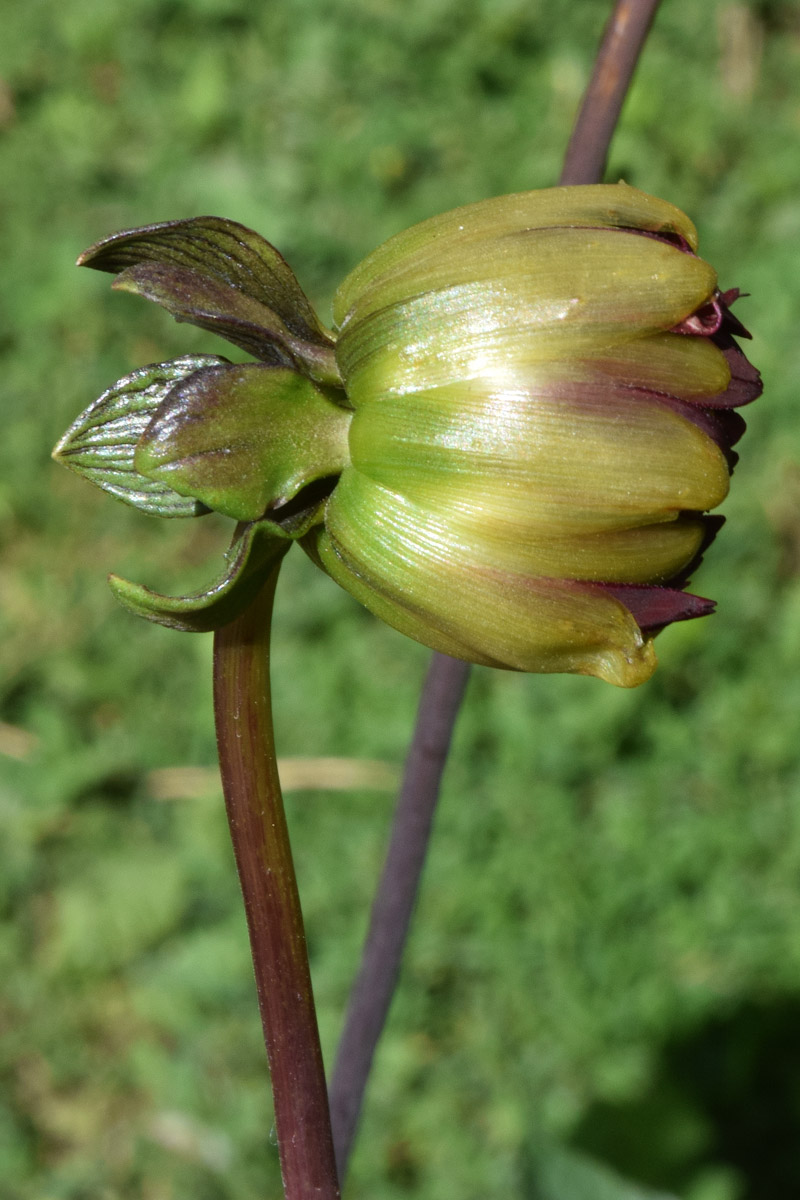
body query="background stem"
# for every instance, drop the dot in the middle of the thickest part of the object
(623, 39)
(446, 680)
(396, 895)
(254, 804)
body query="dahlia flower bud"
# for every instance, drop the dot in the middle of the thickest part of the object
(509, 449)
(542, 415)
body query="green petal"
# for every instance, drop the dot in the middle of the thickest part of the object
(643, 554)
(230, 313)
(548, 294)
(224, 251)
(400, 562)
(100, 444)
(542, 453)
(253, 553)
(460, 232)
(646, 554)
(244, 439)
(690, 368)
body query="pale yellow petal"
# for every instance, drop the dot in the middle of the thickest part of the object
(647, 554)
(400, 562)
(671, 363)
(461, 229)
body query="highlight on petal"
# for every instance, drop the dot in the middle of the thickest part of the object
(100, 444)
(244, 439)
(588, 457)
(546, 294)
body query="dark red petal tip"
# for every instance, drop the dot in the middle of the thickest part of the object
(654, 607)
(730, 322)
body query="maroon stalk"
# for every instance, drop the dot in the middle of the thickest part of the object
(395, 897)
(623, 40)
(446, 681)
(254, 803)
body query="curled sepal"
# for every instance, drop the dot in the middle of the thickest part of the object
(245, 439)
(254, 551)
(221, 250)
(100, 444)
(231, 313)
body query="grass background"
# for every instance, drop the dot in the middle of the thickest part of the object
(606, 953)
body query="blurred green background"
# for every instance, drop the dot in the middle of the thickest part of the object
(606, 954)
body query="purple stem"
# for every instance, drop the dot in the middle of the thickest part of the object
(623, 39)
(396, 895)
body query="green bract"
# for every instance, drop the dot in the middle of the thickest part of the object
(507, 451)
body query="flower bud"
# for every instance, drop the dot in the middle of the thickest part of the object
(507, 450)
(542, 387)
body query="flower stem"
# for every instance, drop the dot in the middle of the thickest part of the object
(623, 39)
(446, 680)
(254, 803)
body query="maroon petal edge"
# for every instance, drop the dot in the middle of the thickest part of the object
(745, 385)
